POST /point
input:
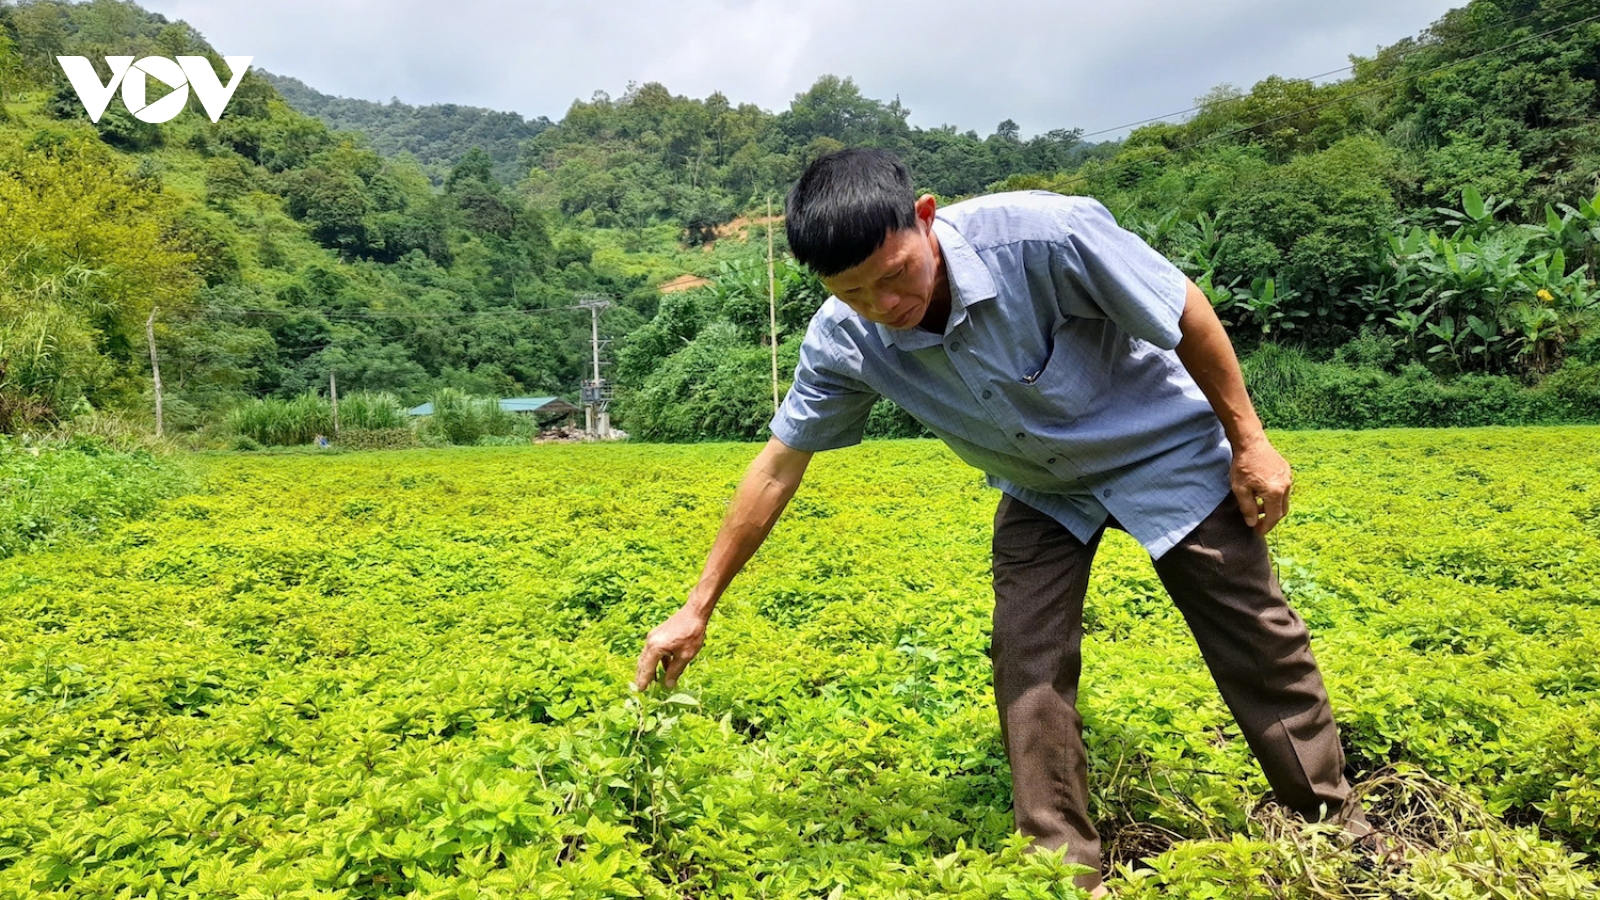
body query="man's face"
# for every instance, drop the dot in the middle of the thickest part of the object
(895, 285)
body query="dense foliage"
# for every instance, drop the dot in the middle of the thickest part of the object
(365, 675)
(1438, 212)
(437, 136)
(55, 494)
(275, 251)
(650, 155)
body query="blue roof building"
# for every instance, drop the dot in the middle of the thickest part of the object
(542, 406)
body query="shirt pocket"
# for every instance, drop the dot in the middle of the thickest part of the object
(1075, 380)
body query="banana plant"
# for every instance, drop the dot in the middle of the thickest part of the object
(1221, 296)
(1535, 330)
(1411, 326)
(1449, 336)
(1201, 243)
(1575, 229)
(1270, 301)
(1482, 336)
(1476, 214)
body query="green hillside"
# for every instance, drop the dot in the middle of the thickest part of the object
(1414, 244)
(437, 135)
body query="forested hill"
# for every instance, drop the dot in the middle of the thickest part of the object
(650, 156)
(1427, 225)
(437, 135)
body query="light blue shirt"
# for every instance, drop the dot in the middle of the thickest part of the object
(1055, 374)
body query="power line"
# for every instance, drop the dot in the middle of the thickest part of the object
(1347, 97)
(390, 314)
(1398, 56)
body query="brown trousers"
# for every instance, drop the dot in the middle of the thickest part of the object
(1221, 579)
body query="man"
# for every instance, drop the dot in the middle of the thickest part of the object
(1093, 383)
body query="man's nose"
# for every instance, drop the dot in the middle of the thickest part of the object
(889, 304)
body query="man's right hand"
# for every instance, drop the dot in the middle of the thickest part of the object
(674, 643)
(768, 483)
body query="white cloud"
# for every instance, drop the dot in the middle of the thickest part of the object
(1044, 64)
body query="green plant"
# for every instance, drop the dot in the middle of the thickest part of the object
(372, 412)
(282, 423)
(463, 419)
(410, 672)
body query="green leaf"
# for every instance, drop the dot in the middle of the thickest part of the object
(1553, 221)
(1472, 204)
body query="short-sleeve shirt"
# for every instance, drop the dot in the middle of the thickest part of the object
(1055, 375)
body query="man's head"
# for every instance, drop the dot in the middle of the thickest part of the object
(853, 219)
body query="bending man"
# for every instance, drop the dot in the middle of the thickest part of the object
(1093, 383)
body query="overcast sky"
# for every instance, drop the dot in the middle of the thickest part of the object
(1064, 64)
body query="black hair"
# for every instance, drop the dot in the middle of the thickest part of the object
(845, 205)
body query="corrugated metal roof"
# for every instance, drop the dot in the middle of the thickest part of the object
(513, 404)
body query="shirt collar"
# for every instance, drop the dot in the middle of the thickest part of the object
(970, 282)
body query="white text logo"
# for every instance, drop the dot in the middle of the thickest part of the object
(187, 72)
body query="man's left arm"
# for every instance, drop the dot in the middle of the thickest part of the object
(1260, 477)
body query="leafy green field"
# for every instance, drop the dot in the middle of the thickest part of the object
(406, 673)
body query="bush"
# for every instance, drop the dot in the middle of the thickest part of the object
(716, 388)
(503, 440)
(460, 418)
(890, 421)
(1586, 349)
(1292, 391)
(1572, 393)
(73, 489)
(282, 423)
(372, 412)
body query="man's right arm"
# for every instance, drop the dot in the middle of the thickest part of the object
(768, 483)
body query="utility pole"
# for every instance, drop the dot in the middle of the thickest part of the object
(333, 394)
(772, 308)
(596, 393)
(155, 366)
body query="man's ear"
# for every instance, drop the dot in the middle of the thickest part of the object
(925, 207)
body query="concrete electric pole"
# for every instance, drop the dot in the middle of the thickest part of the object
(596, 393)
(155, 365)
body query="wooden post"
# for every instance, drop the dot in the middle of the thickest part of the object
(333, 393)
(772, 308)
(155, 365)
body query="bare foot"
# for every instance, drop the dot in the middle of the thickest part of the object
(1100, 890)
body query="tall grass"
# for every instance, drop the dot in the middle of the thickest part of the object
(372, 411)
(462, 419)
(1283, 384)
(283, 423)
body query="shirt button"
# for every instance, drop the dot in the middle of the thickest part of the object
(1020, 435)
(954, 346)
(1051, 461)
(1106, 493)
(988, 394)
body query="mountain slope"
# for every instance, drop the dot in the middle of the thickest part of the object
(438, 135)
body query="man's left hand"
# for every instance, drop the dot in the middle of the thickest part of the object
(1261, 483)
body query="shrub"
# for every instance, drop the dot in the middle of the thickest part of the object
(716, 388)
(75, 488)
(1292, 391)
(282, 423)
(890, 421)
(372, 412)
(460, 418)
